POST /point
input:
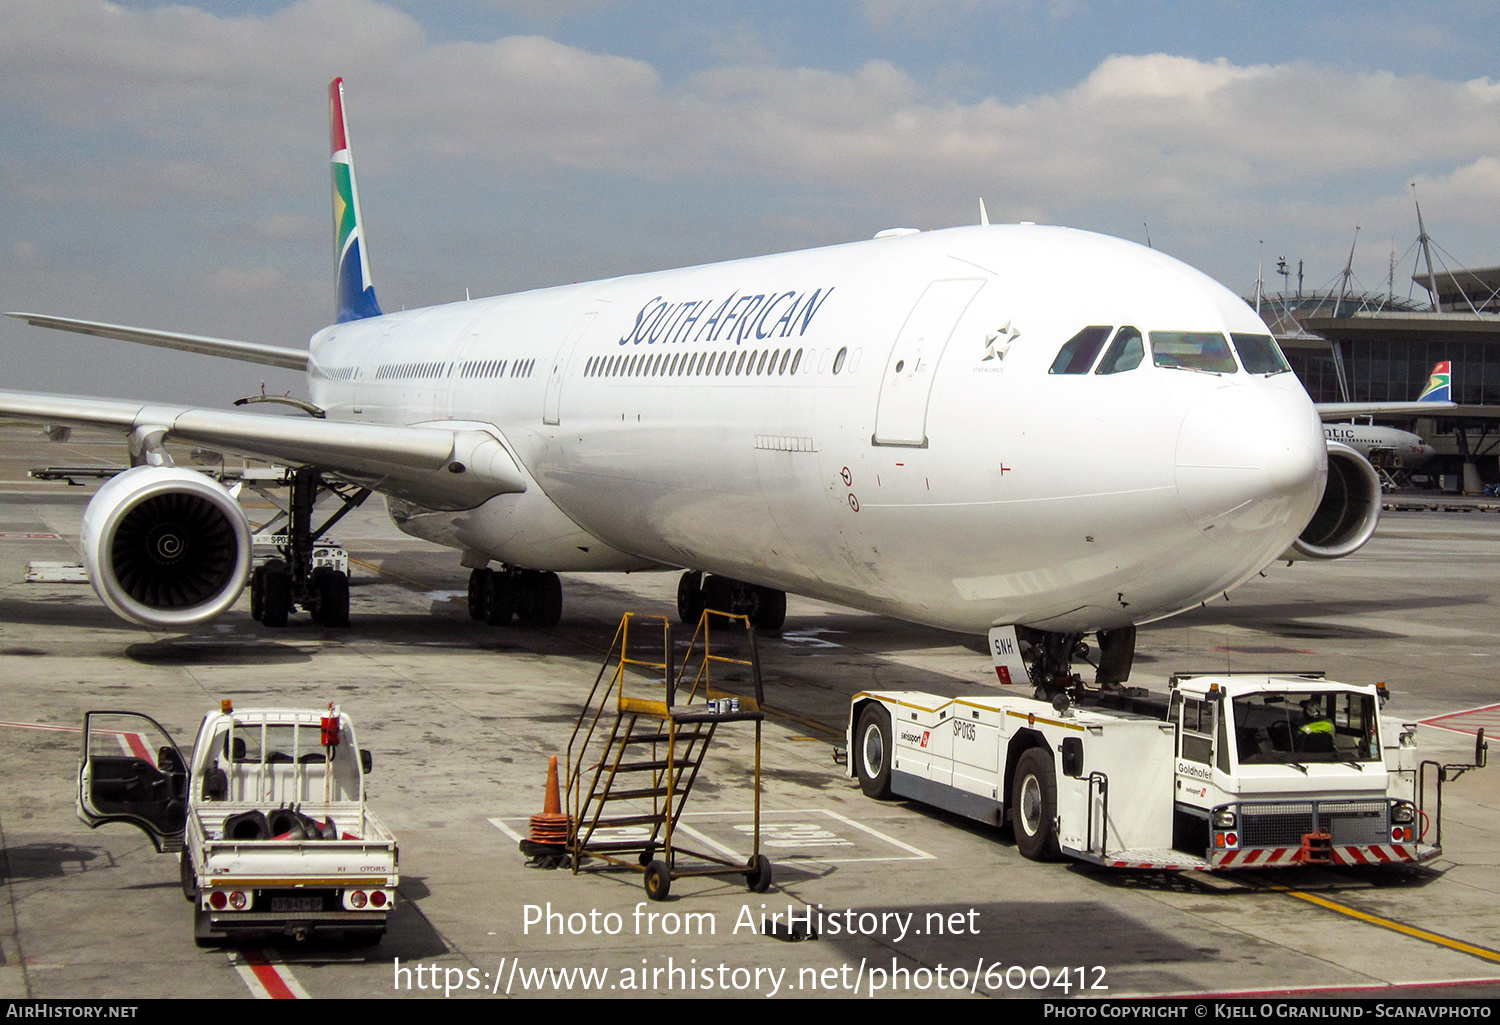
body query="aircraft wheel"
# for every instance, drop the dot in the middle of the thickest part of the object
(770, 609)
(547, 609)
(758, 878)
(330, 597)
(499, 598)
(658, 880)
(276, 597)
(1033, 808)
(690, 598)
(873, 752)
(257, 592)
(478, 580)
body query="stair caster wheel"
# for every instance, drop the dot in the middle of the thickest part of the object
(758, 874)
(658, 880)
(647, 856)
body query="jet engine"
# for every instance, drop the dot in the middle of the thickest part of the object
(1346, 517)
(166, 546)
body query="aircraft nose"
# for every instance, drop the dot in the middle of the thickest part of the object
(1250, 456)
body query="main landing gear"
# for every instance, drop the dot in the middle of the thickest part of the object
(495, 595)
(295, 580)
(696, 591)
(1051, 655)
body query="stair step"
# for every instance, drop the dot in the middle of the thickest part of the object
(629, 820)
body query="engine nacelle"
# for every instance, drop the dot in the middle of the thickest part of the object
(166, 546)
(1350, 509)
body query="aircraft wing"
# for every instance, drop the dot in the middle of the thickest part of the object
(439, 466)
(1339, 410)
(245, 352)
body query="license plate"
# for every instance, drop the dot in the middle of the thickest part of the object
(296, 904)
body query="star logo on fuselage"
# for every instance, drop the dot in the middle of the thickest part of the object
(997, 343)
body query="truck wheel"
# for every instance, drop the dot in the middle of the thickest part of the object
(873, 751)
(202, 932)
(658, 880)
(189, 878)
(330, 597)
(1033, 805)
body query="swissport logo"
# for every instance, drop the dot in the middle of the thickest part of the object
(919, 739)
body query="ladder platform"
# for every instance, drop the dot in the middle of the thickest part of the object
(697, 713)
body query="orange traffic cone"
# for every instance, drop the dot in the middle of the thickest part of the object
(550, 825)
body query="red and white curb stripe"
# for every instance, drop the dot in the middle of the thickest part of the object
(267, 980)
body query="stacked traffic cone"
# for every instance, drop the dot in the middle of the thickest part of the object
(550, 828)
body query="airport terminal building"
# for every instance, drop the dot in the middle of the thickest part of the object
(1374, 347)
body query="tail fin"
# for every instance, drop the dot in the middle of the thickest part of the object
(354, 298)
(1439, 385)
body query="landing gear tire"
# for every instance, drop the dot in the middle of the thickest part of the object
(276, 594)
(758, 876)
(499, 598)
(547, 599)
(330, 597)
(478, 581)
(770, 610)
(1033, 808)
(257, 593)
(658, 880)
(873, 751)
(690, 603)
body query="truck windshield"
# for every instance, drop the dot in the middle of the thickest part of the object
(1292, 727)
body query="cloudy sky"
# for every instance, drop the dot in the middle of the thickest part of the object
(166, 165)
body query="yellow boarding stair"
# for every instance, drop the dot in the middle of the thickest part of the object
(642, 738)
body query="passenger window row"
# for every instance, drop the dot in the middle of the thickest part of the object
(1205, 351)
(745, 363)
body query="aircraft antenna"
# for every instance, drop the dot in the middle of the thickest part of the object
(1148, 235)
(984, 215)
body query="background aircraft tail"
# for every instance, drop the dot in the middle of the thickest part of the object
(354, 297)
(1439, 385)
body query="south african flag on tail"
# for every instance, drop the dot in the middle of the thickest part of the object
(1439, 385)
(354, 297)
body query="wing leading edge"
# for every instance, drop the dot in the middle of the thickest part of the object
(438, 466)
(245, 352)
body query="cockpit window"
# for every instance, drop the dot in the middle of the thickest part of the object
(1124, 353)
(1192, 350)
(1260, 354)
(1078, 353)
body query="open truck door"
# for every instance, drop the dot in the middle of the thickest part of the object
(131, 771)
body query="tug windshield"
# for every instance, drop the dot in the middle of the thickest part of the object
(1292, 727)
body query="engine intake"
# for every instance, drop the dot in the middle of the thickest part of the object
(166, 546)
(1346, 517)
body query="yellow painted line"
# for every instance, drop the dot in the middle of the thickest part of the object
(394, 576)
(1394, 926)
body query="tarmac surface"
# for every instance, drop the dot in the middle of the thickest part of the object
(461, 718)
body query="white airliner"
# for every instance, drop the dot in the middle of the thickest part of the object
(1406, 450)
(999, 425)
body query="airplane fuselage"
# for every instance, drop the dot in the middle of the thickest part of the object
(1370, 441)
(875, 424)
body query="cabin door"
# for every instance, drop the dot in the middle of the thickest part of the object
(901, 413)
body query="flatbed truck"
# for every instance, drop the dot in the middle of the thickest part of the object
(269, 818)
